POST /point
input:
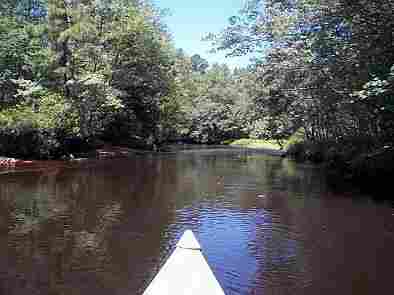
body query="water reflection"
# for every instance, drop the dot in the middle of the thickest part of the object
(267, 226)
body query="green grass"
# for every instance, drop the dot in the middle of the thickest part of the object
(256, 143)
(297, 137)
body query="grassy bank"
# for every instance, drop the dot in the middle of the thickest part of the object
(282, 145)
(255, 144)
(356, 160)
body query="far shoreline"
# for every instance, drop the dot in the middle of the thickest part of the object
(116, 152)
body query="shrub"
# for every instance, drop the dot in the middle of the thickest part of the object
(25, 141)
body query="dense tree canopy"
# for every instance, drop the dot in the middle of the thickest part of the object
(327, 65)
(105, 64)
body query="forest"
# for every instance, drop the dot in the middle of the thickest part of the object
(75, 74)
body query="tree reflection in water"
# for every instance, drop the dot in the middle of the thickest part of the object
(267, 226)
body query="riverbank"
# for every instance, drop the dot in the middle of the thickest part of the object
(256, 144)
(354, 161)
(106, 151)
(370, 167)
(109, 151)
(269, 147)
(348, 162)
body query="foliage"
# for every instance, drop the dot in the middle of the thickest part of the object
(199, 64)
(215, 104)
(95, 69)
(21, 57)
(25, 141)
(107, 70)
(257, 144)
(50, 110)
(110, 54)
(327, 66)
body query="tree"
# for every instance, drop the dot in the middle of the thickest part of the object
(121, 43)
(318, 54)
(214, 106)
(22, 56)
(108, 62)
(199, 64)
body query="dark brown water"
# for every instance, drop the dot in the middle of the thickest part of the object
(267, 226)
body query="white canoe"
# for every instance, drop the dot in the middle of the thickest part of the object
(186, 272)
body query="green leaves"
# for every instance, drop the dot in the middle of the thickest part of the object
(199, 64)
(113, 57)
(326, 67)
(107, 61)
(215, 105)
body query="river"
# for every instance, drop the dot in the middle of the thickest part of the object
(267, 225)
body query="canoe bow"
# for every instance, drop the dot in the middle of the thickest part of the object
(186, 272)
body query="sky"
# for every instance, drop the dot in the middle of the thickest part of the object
(190, 20)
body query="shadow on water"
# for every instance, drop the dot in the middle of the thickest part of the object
(267, 226)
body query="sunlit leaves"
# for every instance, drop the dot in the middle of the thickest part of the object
(326, 67)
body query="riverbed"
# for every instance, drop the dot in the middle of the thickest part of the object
(267, 225)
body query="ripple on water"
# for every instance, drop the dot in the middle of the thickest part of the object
(107, 229)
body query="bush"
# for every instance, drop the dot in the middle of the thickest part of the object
(38, 129)
(25, 141)
(311, 151)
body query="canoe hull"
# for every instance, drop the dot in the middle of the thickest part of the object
(185, 272)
